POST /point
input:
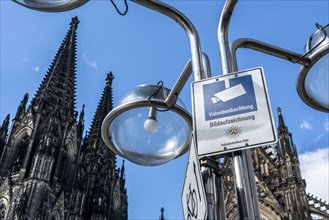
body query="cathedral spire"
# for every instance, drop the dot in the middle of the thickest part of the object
(42, 158)
(282, 125)
(106, 184)
(57, 90)
(104, 106)
(122, 174)
(3, 132)
(22, 106)
(283, 133)
(162, 215)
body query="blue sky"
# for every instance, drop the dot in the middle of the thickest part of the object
(144, 47)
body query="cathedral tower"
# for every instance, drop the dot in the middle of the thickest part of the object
(280, 187)
(44, 155)
(291, 188)
(98, 182)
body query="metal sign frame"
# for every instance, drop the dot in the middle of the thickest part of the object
(232, 112)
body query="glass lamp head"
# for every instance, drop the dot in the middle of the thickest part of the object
(137, 131)
(51, 5)
(313, 80)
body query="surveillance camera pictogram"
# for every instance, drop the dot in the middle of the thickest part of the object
(229, 97)
(229, 94)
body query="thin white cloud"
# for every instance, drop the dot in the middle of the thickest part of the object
(36, 69)
(305, 125)
(315, 170)
(25, 59)
(318, 138)
(89, 62)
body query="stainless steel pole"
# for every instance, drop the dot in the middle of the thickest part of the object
(221, 193)
(244, 180)
(211, 173)
(209, 168)
(201, 70)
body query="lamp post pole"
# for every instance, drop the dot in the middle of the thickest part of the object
(243, 170)
(201, 70)
(242, 167)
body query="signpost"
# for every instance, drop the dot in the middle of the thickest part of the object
(232, 112)
(193, 196)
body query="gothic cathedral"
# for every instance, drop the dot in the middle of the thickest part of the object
(280, 187)
(48, 170)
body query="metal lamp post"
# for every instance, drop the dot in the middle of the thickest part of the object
(316, 57)
(243, 172)
(159, 109)
(142, 100)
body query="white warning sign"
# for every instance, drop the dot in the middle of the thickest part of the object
(232, 112)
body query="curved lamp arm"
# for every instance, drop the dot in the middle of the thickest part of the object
(223, 27)
(186, 24)
(268, 49)
(186, 73)
(181, 81)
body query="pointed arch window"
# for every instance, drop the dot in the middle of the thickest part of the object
(3, 208)
(56, 215)
(21, 149)
(62, 167)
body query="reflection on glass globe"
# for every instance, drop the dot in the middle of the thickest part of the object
(51, 5)
(317, 82)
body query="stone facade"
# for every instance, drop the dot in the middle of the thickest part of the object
(280, 186)
(48, 170)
